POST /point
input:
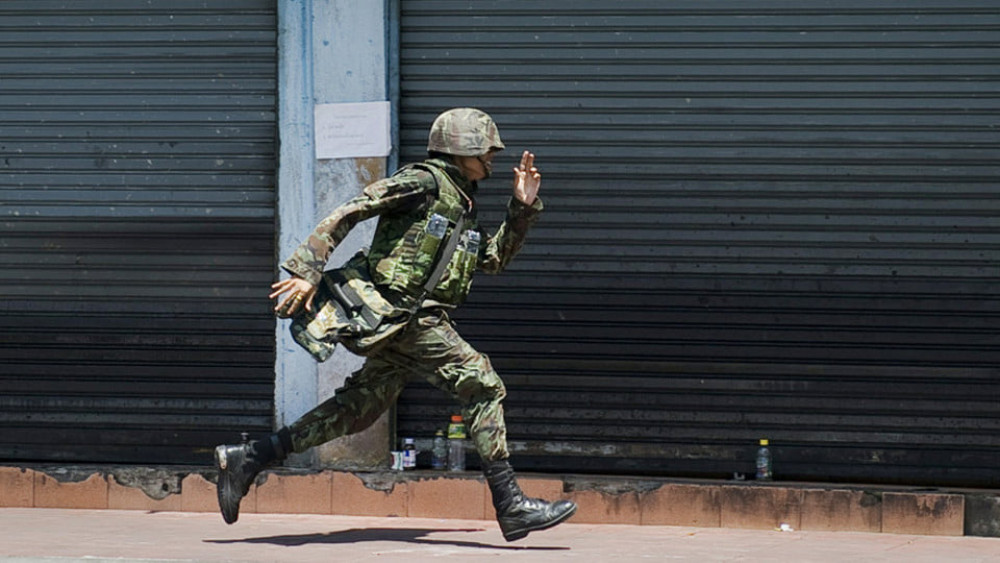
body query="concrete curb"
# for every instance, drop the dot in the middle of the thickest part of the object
(602, 499)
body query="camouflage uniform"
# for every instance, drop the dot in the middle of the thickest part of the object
(414, 338)
(429, 347)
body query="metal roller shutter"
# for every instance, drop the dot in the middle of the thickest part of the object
(764, 220)
(138, 156)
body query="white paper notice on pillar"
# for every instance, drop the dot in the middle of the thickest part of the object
(352, 130)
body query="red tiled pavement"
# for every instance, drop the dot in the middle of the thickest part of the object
(33, 534)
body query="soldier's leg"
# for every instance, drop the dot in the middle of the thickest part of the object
(354, 407)
(365, 395)
(436, 351)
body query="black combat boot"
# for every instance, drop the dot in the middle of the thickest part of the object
(240, 464)
(516, 514)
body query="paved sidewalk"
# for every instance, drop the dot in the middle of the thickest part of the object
(58, 535)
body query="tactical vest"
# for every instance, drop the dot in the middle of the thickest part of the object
(404, 249)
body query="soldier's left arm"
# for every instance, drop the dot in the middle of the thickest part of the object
(522, 213)
(501, 248)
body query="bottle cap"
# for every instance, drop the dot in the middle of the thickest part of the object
(439, 432)
(456, 418)
(764, 442)
(407, 440)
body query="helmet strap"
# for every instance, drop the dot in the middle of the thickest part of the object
(486, 167)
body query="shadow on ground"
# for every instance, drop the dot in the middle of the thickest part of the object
(359, 535)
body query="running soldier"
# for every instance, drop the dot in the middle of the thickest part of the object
(418, 209)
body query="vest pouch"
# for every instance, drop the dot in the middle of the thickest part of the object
(320, 350)
(350, 311)
(457, 280)
(429, 240)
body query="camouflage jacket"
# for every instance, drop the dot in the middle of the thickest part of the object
(402, 201)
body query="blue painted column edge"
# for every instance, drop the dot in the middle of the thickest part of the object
(295, 371)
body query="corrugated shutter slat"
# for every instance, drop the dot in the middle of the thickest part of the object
(138, 157)
(763, 220)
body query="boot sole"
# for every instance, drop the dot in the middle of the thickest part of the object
(520, 534)
(221, 462)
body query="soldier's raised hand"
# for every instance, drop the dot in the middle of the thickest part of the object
(527, 179)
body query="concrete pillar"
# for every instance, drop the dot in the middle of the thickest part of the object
(330, 51)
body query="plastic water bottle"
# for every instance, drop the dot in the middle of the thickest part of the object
(456, 444)
(409, 454)
(439, 451)
(764, 461)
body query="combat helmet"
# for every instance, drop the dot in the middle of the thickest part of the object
(464, 132)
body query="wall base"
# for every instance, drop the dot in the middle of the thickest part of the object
(602, 499)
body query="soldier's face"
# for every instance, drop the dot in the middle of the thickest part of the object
(476, 167)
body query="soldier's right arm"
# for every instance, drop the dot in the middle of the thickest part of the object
(399, 193)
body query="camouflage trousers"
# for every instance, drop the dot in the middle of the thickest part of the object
(430, 349)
